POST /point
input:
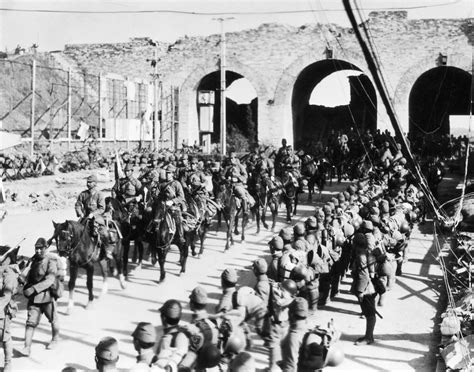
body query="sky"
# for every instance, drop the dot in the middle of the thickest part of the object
(52, 30)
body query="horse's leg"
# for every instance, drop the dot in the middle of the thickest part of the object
(289, 207)
(118, 255)
(90, 284)
(236, 223)
(126, 250)
(263, 216)
(105, 274)
(192, 240)
(72, 284)
(161, 260)
(183, 253)
(310, 189)
(202, 237)
(245, 217)
(257, 216)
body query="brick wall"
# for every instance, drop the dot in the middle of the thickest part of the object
(272, 56)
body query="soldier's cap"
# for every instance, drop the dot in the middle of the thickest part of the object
(170, 168)
(243, 362)
(128, 167)
(229, 275)
(194, 161)
(145, 332)
(311, 222)
(286, 233)
(199, 295)
(107, 349)
(41, 243)
(171, 309)
(299, 307)
(260, 266)
(92, 178)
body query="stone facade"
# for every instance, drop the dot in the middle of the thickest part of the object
(272, 56)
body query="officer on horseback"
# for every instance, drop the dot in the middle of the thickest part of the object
(265, 168)
(127, 188)
(237, 175)
(172, 195)
(292, 163)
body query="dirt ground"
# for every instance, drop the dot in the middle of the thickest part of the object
(404, 337)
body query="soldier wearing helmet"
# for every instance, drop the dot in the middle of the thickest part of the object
(127, 189)
(172, 196)
(202, 332)
(144, 340)
(90, 202)
(281, 296)
(229, 280)
(37, 290)
(236, 174)
(174, 343)
(291, 344)
(276, 248)
(262, 287)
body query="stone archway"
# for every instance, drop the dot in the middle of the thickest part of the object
(436, 94)
(282, 109)
(409, 76)
(189, 130)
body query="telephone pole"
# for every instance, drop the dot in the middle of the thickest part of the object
(223, 139)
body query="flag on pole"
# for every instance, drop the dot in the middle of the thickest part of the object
(118, 171)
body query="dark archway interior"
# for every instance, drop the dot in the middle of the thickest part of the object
(242, 120)
(436, 94)
(313, 122)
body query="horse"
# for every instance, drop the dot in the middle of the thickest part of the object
(231, 208)
(161, 233)
(290, 193)
(132, 225)
(197, 221)
(360, 168)
(315, 172)
(81, 245)
(339, 156)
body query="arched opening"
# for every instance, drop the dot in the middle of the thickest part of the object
(241, 110)
(331, 95)
(437, 95)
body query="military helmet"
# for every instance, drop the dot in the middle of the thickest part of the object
(145, 332)
(260, 266)
(311, 223)
(41, 243)
(236, 342)
(299, 229)
(107, 349)
(286, 233)
(299, 272)
(290, 286)
(299, 308)
(334, 356)
(360, 240)
(367, 225)
(276, 243)
(339, 240)
(209, 356)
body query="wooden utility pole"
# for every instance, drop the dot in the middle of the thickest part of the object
(69, 109)
(100, 109)
(223, 116)
(32, 109)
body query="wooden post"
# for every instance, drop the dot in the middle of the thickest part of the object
(32, 110)
(100, 108)
(172, 120)
(69, 109)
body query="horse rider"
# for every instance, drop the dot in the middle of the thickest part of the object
(127, 189)
(172, 195)
(280, 155)
(292, 163)
(37, 289)
(237, 175)
(265, 168)
(91, 204)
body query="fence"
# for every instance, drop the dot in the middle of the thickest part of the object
(49, 105)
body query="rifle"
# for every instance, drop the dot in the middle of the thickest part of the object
(5, 255)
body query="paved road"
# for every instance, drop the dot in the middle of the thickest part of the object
(403, 337)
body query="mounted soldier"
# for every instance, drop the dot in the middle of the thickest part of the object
(172, 196)
(265, 168)
(127, 189)
(237, 175)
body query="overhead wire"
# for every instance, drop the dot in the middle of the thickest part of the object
(173, 11)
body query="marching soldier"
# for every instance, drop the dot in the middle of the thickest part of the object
(262, 288)
(37, 290)
(174, 344)
(228, 281)
(8, 288)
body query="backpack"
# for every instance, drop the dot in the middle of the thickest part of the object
(57, 288)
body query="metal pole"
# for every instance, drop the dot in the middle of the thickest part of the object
(172, 119)
(223, 92)
(100, 108)
(69, 109)
(32, 112)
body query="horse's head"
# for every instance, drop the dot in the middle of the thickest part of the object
(64, 235)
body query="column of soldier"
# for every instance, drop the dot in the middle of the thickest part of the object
(362, 233)
(364, 229)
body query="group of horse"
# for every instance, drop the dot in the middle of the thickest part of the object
(151, 221)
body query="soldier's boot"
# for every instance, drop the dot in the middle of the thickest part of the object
(8, 351)
(369, 332)
(29, 332)
(55, 339)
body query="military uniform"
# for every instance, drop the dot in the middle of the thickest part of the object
(237, 175)
(229, 279)
(90, 202)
